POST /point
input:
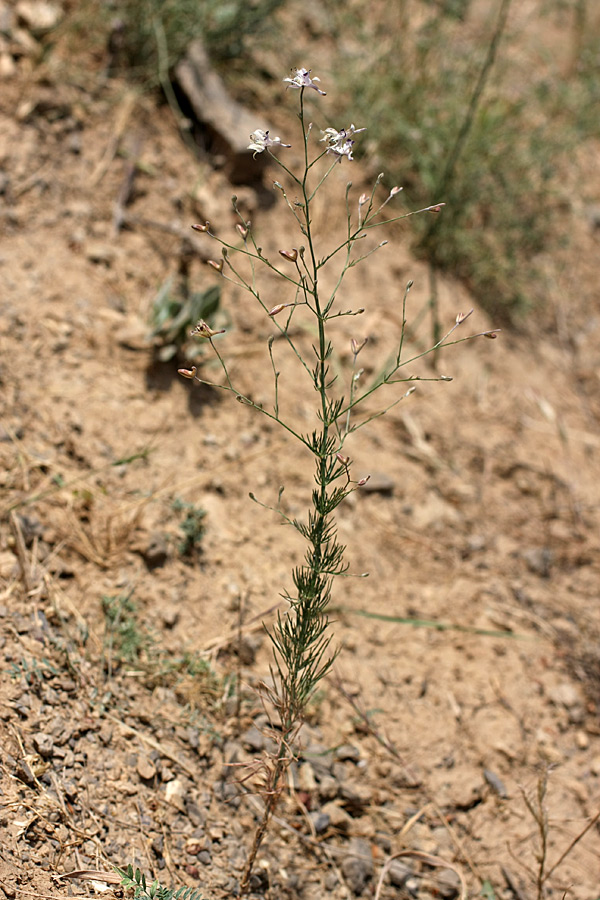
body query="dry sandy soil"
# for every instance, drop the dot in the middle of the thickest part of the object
(427, 744)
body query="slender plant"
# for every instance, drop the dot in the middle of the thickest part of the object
(300, 636)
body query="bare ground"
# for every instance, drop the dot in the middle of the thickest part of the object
(426, 742)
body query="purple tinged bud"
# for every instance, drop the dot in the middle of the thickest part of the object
(215, 265)
(363, 481)
(291, 255)
(188, 373)
(277, 309)
(201, 228)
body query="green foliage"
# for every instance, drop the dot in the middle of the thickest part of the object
(173, 316)
(155, 34)
(136, 881)
(32, 671)
(124, 640)
(493, 162)
(192, 526)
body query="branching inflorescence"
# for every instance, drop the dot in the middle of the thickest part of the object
(300, 638)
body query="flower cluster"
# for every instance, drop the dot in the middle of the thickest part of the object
(340, 143)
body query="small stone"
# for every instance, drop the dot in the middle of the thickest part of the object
(465, 792)
(357, 868)
(248, 647)
(253, 739)
(582, 740)
(158, 845)
(355, 795)
(101, 254)
(448, 883)
(496, 783)
(320, 820)
(539, 560)
(347, 752)
(175, 794)
(145, 768)
(39, 16)
(194, 846)
(565, 694)
(24, 773)
(44, 744)
(170, 617)
(156, 552)
(8, 67)
(306, 778)
(328, 787)
(338, 817)
(398, 873)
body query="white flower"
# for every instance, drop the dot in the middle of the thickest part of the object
(261, 140)
(340, 143)
(302, 79)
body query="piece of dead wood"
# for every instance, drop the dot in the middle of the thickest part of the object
(122, 118)
(125, 190)
(226, 126)
(24, 565)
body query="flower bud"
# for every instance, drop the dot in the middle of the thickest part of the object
(343, 459)
(277, 309)
(363, 481)
(243, 230)
(216, 265)
(188, 373)
(394, 191)
(490, 334)
(364, 198)
(460, 318)
(446, 378)
(202, 228)
(291, 255)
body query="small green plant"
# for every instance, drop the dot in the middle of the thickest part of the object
(149, 37)
(33, 672)
(174, 313)
(192, 527)
(125, 641)
(135, 880)
(301, 640)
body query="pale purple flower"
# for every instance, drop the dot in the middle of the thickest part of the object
(340, 143)
(261, 140)
(302, 79)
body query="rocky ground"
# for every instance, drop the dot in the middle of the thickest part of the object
(442, 758)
